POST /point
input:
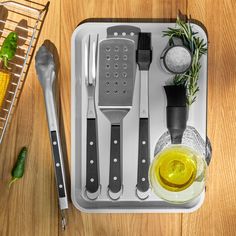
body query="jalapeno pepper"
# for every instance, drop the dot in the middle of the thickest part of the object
(8, 49)
(19, 168)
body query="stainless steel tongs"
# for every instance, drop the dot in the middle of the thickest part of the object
(45, 67)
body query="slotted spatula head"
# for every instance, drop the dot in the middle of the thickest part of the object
(116, 73)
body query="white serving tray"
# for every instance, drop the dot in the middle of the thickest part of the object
(128, 202)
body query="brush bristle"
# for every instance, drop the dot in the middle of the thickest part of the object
(144, 42)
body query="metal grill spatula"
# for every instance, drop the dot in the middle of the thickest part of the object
(117, 68)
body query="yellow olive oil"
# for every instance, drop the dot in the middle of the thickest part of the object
(175, 168)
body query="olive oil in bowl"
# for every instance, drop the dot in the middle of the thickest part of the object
(177, 174)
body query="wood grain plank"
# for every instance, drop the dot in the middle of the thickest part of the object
(30, 207)
(217, 215)
(72, 13)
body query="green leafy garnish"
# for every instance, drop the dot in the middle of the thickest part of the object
(197, 47)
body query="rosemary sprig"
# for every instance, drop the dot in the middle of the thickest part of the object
(197, 48)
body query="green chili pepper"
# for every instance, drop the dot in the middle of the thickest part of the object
(9, 47)
(19, 168)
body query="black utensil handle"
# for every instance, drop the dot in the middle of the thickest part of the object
(92, 182)
(143, 155)
(58, 167)
(115, 160)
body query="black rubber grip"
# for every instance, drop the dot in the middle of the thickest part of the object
(143, 155)
(57, 163)
(115, 160)
(176, 122)
(92, 181)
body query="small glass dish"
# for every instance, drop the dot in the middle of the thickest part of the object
(178, 172)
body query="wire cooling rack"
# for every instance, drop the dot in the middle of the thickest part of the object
(26, 19)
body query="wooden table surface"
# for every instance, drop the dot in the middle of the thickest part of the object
(30, 206)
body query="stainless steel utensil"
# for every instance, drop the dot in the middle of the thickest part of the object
(144, 59)
(45, 68)
(92, 173)
(116, 84)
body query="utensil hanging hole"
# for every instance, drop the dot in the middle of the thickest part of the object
(92, 180)
(125, 49)
(131, 33)
(114, 178)
(115, 160)
(57, 164)
(143, 142)
(91, 143)
(115, 141)
(60, 186)
(143, 161)
(54, 143)
(143, 179)
(115, 34)
(91, 162)
(123, 33)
